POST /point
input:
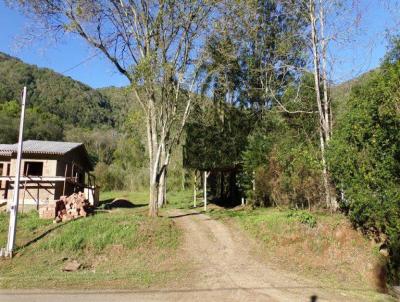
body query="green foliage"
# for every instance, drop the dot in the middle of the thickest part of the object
(364, 156)
(107, 121)
(303, 217)
(9, 122)
(216, 138)
(282, 153)
(38, 124)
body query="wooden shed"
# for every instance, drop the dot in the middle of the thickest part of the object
(49, 170)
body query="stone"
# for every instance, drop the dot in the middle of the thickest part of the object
(72, 266)
(384, 252)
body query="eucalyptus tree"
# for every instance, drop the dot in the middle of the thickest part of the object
(329, 22)
(156, 45)
(255, 51)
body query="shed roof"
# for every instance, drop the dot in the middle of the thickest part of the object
(40, 147)
(6, 150)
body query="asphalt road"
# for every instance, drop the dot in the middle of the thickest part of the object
(192, 295)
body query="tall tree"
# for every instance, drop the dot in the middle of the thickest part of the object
(156, 45)
(326, 20)
(255, 51)
(319, 45)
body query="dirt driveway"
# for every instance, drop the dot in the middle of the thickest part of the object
(227, 269)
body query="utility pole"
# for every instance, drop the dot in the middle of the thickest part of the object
(14, 207)
(194, 189)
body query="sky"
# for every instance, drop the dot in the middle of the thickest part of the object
(72, 57)
(61, 57)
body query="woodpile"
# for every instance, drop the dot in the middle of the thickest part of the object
(67, 208)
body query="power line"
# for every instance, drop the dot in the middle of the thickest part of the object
(80, 63)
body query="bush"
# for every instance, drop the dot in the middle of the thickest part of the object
(109, 178)
(364, 157)
(303, 217)
(287, 169)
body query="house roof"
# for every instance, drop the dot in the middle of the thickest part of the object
(40, 147)
(46, 148)
(6, 150)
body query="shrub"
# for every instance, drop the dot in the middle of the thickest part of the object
(303, 217)
(364, 157)
(288, 172)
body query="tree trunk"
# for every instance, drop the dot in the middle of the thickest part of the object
(319, 45)
(205, 189)
(154, 158)
(161, 191)
(153, 204)
(162, 175)
(325, 175)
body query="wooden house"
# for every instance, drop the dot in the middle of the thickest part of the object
(49, 170)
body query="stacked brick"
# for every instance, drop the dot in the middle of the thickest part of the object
(67, 208)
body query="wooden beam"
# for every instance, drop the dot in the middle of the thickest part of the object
(65, 180)
(35, 178)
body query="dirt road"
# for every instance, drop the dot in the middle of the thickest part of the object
(225, 269)
(226, 266)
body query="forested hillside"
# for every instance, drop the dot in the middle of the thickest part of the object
(55, 102)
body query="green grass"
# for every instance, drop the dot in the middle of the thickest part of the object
(29, 224)
(122, 248)
(180, 200)
(175, 200)
(137, 198)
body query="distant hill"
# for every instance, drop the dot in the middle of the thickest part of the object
(340, 93)
(343, 90)
(55, 102)
(73, 102)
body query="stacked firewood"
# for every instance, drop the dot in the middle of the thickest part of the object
(72, 207)
(67, 208)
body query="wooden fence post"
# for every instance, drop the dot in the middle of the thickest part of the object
(194, 190)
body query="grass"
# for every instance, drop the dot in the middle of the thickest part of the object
(176, 200)
(137, 198)
(29, 225)
(122, 248)
(180, 200)
(320, 246)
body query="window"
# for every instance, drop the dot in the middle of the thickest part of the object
(33, 168)
(1, 169)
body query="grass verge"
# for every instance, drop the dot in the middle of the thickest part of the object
(122, 248)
